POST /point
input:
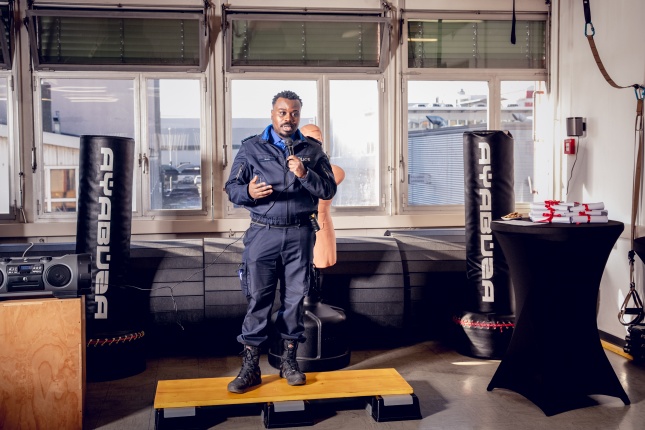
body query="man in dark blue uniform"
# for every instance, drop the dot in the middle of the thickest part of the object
(278, 176)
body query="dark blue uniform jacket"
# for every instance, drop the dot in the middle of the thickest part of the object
(293, 199)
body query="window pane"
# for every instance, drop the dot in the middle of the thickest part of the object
(354, 140)
(75, 107)
(262, 41)
(518, 106)
(438, 115)
(476, 44)
(5, 153)
(251, 105)
(5, 195)
(5, 37)
(174, 136)
(122, 40)
(61, 186)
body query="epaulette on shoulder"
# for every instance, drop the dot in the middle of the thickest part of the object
(314, 139)
(249, 138)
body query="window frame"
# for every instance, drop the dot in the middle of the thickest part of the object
(39, 191)
(34, 13)
(322, 82)
(376, 16)
(204, 148)
(469, 16)
(228, 209)
(47, 195)
(13, 164)
(141, 196)
(494, 77)
(6, 71)
(385, 191)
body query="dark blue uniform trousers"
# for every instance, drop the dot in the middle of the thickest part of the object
(272, 253)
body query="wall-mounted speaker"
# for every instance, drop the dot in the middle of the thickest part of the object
(576, 126)
(61, 277)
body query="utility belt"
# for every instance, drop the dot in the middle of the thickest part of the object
(310, 220)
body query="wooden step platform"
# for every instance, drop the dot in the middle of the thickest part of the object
(180, 398)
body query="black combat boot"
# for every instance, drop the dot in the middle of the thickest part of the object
(289, 366)
(249, 375)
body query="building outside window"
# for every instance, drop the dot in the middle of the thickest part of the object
(464, 75)
(439, 112)
(354, 141)
(174, 143)
(168, 169)
(71, 108)
(352, 134)
(335, 63)
(459, 73)
(119, 71)
(61, 189)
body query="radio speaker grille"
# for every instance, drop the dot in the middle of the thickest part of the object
(58, 275)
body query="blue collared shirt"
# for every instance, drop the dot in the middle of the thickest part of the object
(273, 137)
(277, 141)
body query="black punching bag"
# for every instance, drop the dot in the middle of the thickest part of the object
(486, 321)
(103, 229)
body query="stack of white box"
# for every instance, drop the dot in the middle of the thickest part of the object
(554, 211)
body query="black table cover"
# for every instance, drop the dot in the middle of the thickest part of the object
(555, 357)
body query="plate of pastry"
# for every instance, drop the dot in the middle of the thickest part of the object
(512, 216)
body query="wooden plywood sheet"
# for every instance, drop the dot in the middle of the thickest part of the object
(41, 363)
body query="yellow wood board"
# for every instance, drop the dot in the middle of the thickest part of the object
(615, 349)
(183, 393)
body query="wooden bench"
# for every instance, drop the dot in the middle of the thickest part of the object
(391, 397)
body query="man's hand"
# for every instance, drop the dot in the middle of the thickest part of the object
(296, 166)
(259, 190)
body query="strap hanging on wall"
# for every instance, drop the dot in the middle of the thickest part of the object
(635, 310)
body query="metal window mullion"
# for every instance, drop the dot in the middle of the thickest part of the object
(246, 42)
(122, 39)
(303, 41)
(182, 38)
(529, 60)
(420, 49)
(529, 56)
(48, 190)
(360, 42)
(475, 45)
(59, 51)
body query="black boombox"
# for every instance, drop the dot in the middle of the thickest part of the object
(61, 277)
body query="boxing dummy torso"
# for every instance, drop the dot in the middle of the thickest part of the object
(325, 248)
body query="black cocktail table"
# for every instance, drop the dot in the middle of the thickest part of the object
(555, 357)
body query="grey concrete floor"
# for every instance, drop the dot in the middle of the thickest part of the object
(451, 389)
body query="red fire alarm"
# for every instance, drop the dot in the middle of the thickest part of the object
(569, 146)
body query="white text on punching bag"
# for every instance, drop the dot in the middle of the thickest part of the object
(102, 279)
(485, 218)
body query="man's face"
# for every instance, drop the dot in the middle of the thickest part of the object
(285, 116)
